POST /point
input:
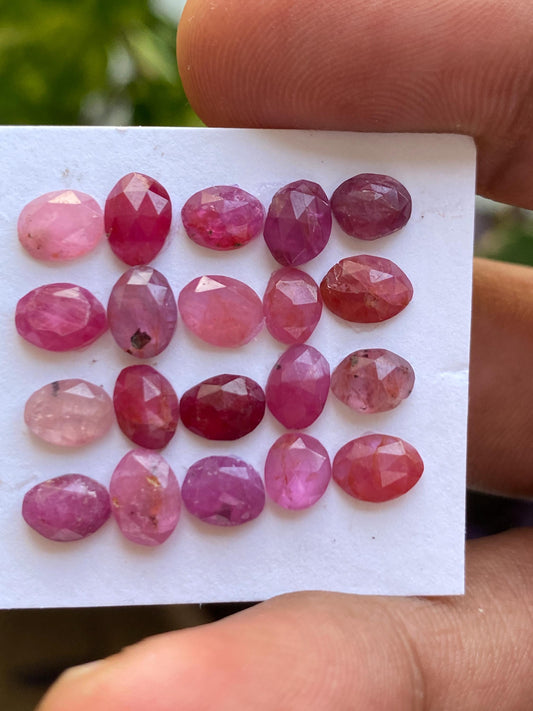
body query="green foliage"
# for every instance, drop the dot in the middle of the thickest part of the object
(509, 238)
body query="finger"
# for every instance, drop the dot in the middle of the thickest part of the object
(462, 66)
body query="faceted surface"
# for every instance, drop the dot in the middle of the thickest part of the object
(292, 304)
(61, 225)
(224, 407)
(221, 311)
(377, 467)
(142, 312)
(145, 497)
(369, 206)
(366, 289)
(223, 491)
(222, 217)
(146, 406)
(297, 471)
(66, 508)
(60, 317)
(298, 224)
(137, 218)
(298, 386)
(69, 413)
(372, 380)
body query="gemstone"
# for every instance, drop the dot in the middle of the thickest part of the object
(369, 206)
(142, 312)
(145, 497)
(224, 407)
(372, 380)
(223, 491)
(60, 317)
(137, 217)
(222, 217)
(377, 467)
(297, 471)
(292, 304)
(297, 387)
(221, 311)
(61, 225)
(298, 224)
(366, 289)
(146, 406)
(69, 413)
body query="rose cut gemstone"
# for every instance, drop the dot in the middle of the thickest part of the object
(221, 311)
(292, 305)
(69, 413)
(377, 467)
(297, 471)
(298, 223)
(223, 217)
(137, 218)
(145, 497)
(67, 507)
(60, 317)
(223, 491)
(61, 225)
(366, 289)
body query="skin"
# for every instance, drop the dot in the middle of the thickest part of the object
(461, 66)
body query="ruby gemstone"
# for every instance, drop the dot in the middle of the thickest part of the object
(377, 467)
(223, 491)
(142, 312)
(366, 289)
(137, 217)
(298, 223)
(292, 305)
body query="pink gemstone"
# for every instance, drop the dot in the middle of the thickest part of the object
(146, 406)
(372, 380)
(292, 305)
(223, 491)
(366, 289)
(298, 224)
(69, 413)
(60, 317)
(225, 407)
(298, 386)
(137, 218)
(60, 226)
(221, 311)
(297, 471)
(222, 217)
(369, 206)
(145, 497)
(142, 312)
(66, 508)
(377, 467)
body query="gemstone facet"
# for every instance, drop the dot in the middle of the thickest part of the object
(292, 305)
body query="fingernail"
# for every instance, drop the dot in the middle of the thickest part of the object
(75, 673)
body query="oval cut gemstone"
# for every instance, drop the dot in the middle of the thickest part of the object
(61, 225)
(66, 508)
(223, 491)
(142, 312)
(145, 497)
(298, 386)
(225, 407)
(297, 471)
(369, 206)
(221, 311)
(69, 413)
(60, 317)
(377, 467)
(146, 406)
(366, 289)
(298, 223)
(372, 380)
(222, 217)
(292, 305)
(137, 217)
